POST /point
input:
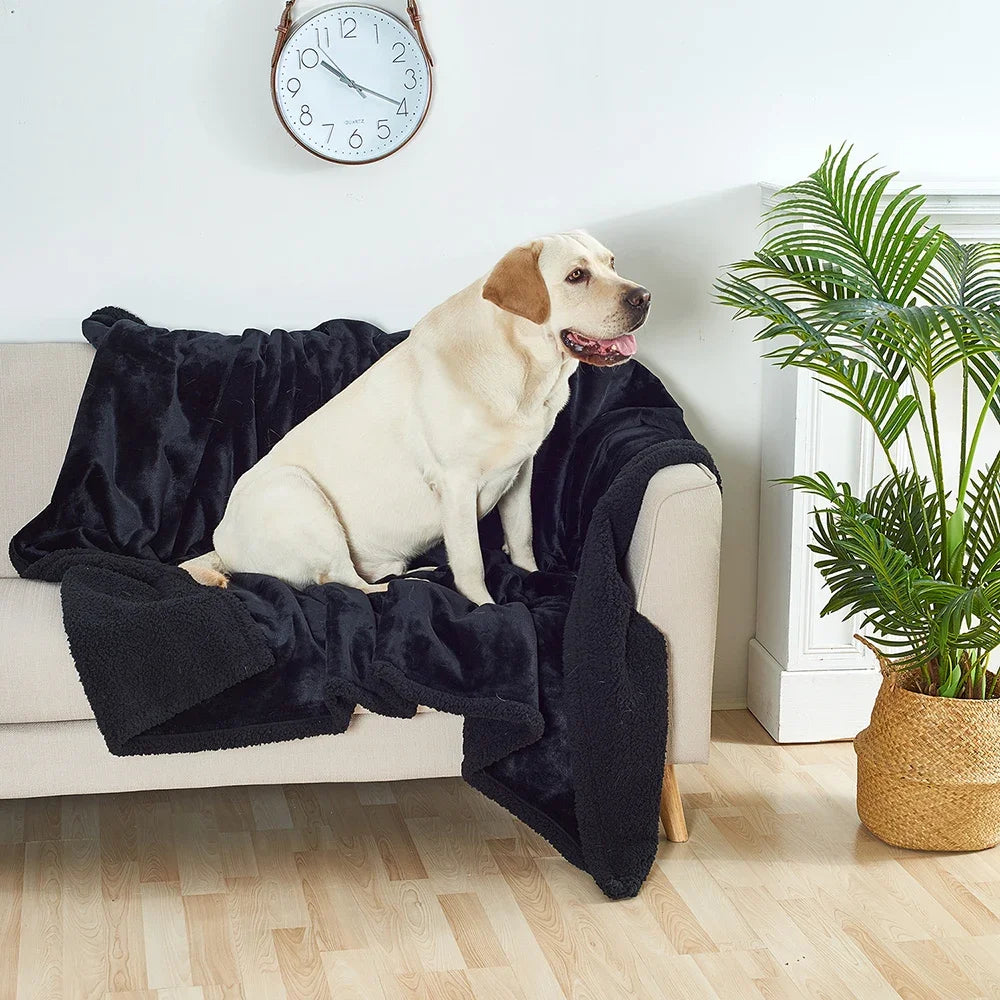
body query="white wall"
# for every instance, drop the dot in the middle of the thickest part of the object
(141, 164)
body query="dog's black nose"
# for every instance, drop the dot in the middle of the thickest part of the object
(638, 297)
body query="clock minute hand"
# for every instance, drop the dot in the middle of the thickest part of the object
(375, 93)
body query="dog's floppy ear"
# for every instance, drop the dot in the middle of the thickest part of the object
(516, 284)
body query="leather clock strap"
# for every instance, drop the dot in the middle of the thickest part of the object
(415, 18)
(285, 25)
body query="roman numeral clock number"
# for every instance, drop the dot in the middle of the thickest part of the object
(351, 83)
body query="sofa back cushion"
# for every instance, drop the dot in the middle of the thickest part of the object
(40, 389)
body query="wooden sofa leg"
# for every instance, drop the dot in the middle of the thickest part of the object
(671, 808)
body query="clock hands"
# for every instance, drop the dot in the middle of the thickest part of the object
(339, 73)
(344, 78)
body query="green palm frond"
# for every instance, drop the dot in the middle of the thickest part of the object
(801, 279)
(982, 520)
(929, 337)
(984, 370)
(836, 217)
(856, 383)
(750, 300)
(869, 576)
(819, 485)
(874, 397)
(970, 618)
(964, 274)
(899, 504)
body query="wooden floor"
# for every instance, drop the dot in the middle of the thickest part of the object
(425, 889)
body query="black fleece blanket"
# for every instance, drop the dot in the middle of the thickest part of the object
(562, 683)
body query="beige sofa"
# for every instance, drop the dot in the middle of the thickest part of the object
(50, 744)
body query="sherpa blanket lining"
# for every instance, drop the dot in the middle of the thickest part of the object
(562, 683)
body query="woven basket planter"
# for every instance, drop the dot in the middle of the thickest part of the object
(929, 769)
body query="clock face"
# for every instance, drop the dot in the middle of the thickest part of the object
(351, 83)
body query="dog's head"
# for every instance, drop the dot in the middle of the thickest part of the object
(568, 286)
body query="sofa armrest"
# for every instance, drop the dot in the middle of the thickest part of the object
(673, 566)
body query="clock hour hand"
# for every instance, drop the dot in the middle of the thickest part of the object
(339, 73)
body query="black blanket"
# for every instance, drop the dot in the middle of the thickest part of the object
(562, 683)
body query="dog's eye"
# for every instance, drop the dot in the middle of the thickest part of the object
(611, 263)
(577, 274)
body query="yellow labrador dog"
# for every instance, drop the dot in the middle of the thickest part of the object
(437, 433)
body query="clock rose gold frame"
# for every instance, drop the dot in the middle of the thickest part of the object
(286, 27)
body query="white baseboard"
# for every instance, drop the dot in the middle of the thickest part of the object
(809, 706)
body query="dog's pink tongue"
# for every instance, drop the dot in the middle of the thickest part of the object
(623, 345)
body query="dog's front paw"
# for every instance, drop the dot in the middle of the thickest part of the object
(522, 559)
(477, 594)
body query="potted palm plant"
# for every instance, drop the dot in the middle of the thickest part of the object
(888, 312)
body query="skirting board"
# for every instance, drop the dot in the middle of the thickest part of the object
(808, 706)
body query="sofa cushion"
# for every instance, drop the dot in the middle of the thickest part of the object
(38, 680)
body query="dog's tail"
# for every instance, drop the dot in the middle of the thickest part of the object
(207, 569)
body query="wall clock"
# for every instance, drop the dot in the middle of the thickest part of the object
(351, 82)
